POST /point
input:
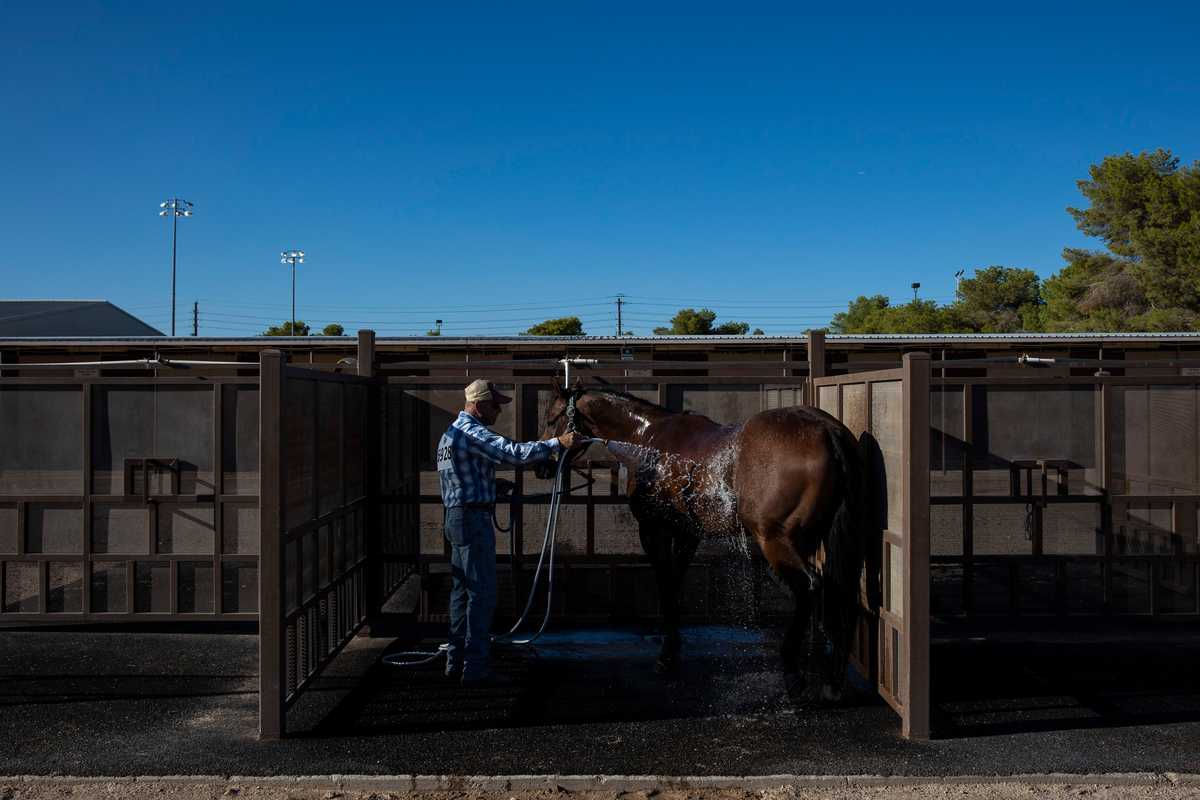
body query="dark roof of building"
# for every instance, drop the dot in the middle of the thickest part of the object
(58, 318)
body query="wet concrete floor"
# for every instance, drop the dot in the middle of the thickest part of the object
(588, 701)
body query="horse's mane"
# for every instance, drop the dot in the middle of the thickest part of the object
(608, 391)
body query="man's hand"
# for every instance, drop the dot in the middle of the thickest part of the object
(568, 439)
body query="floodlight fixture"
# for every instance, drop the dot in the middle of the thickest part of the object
(174, 208)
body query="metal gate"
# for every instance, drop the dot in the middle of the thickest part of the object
(889, 412)
(317, 581)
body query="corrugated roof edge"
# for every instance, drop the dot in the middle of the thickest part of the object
(641, 340)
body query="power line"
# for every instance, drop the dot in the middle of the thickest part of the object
(566, 304)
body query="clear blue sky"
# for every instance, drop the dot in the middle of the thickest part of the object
(495, 167)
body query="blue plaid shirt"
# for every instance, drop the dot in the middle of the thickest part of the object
(468, 453)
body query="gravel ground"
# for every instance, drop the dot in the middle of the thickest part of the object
(587, 703)
(936, 791)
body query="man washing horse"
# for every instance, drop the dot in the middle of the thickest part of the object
(467, 455)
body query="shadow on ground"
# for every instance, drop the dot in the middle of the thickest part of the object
(578, 677)
(996, 685)
(99, 703)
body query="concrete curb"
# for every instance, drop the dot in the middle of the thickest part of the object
(616, 783)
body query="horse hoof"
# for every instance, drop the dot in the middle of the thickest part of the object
(815, 696)
(795, 686)
(830, 695)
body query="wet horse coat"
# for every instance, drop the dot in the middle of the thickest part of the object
(791, 480)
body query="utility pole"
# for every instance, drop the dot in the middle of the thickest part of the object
(174, 208)
(620, 302)
(915, 287)
(196, 318)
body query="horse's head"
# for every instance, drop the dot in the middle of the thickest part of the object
(562, 414)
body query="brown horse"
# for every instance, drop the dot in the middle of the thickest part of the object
(791, 480)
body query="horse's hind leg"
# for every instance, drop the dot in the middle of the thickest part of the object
(797, 671)
(841, 623)
(802, 677)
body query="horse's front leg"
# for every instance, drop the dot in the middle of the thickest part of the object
(656, 541)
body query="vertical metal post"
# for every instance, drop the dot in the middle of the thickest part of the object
(366, 353)
(218, 461)
(516, 514)
(1107, 488)
(88, 507)
(293, 297)
(174, 232)
(272, 658)
(816, 362)
(968, 507)
(915, 504)
(372, 435)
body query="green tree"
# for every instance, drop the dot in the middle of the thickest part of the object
(333, 329)
(561, 326)
(876, 314)
(919, 316)
(1146, 208)
(285, 329)
(997, 300)
(690, 322)
(1094, 292)
(864, 315)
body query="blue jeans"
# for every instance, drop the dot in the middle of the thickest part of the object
(473, 589)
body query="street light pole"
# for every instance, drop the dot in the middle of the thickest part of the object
(292, 257)
(176, 208)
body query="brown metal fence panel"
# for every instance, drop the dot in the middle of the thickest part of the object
(126, 499)
(316, 588)
(1069, 498)
(889, 412)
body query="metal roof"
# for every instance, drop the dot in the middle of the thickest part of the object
(69, 318)
(478, 341)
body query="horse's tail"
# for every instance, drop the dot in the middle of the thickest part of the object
(846, 545)
(844, 549)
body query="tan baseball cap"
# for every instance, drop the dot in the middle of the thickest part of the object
(484, 390)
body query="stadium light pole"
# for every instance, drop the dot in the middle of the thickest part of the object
(174, 208)
(292, 257)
